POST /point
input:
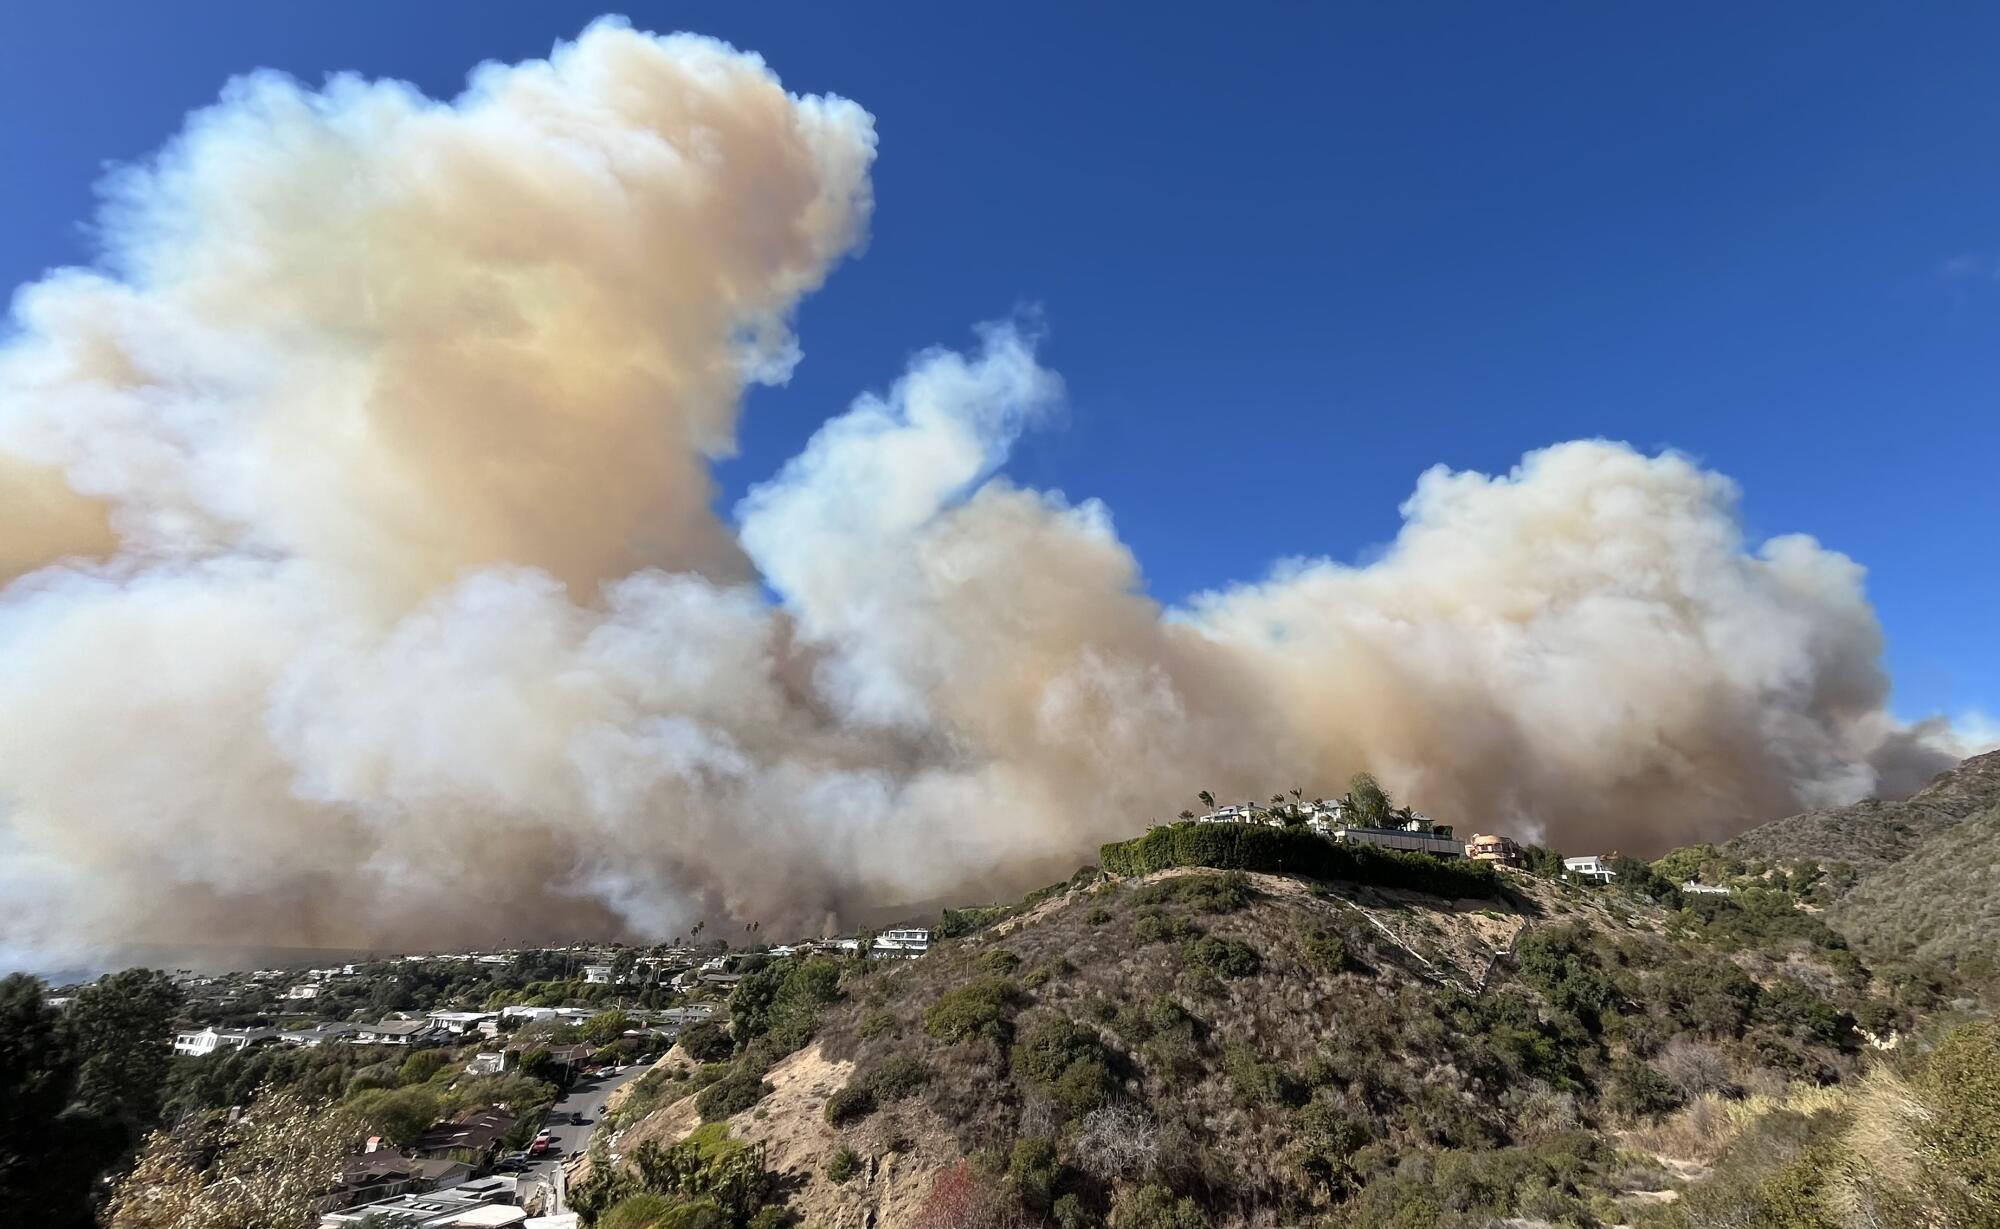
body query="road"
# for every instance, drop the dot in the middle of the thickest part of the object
(586, 1098)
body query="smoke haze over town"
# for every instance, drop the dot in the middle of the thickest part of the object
(364, 566)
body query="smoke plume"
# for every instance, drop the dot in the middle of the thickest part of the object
(363, 582)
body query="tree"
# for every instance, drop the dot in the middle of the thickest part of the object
(267, 1170)
(1367, 802)
(606, 1027)
(397, 1114)
(1186, 815)
(1207, 799)
(37, 1074)
(622, 965)
(121, 1031)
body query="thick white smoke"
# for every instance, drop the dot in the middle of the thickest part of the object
(363, 584)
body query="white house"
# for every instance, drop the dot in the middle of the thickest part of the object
(210, 1040)
(901, 943)
(1595, 867)
(304, 990)
(459, 1023)
(1703, 889)
(487, 1062)
(1245, 813)
(316, 1036)
(597, 974)
(395, 1033)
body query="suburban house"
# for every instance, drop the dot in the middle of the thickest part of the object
(454, 1208)
(571, 1055)
(395, 1033)
(318, 1035)
(1415, 835)
(459, 1023)
(1703, 889)
(209, 1040)
(901, 943)
(385, 1174)
(487, 1062)
(1595, 867)
(693, 1013)
(473, 1137)
(597, 974)
(304, 990)
(1484, 847)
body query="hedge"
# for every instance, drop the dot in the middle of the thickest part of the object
(1291, 851)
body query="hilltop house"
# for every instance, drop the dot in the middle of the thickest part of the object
(1596, 866)
(1703, 889)
(304, 990)
(597, 974)
(1415, 835)
(1485, 847)
(900, 943)
(209, 1040)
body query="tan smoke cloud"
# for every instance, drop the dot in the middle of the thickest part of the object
(365, 587)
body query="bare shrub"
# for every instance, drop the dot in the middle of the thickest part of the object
(1694, 1067)
(1118, 1141)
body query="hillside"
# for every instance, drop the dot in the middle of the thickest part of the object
(1190, 1047)
(1876, 833)
(1940, 902)
(1925, 872)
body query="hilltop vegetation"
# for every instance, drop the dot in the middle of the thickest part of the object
(1190, 1047)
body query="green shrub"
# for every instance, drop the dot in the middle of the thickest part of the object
(1221, 957)
(1033, 1170)
(1207, 893)
(1156, 1207)
(851, 1104)
(873, 1024)
(956, 922)
(999, 962)
(977, 1009)
(842, 1165)
(1325, 1139)
(1257, 1082)
(897, 1078)
(1158, 926)
(1067, 1059)
(706, 1043)
(783, 1000)
(1326, 949)
(1070, 1212)
(1638, 1091)
(1292, 851)
(1098, 916)
(732, 1094)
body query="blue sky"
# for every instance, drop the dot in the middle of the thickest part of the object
(1311, 250)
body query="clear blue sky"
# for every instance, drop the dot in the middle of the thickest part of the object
(1319, 247)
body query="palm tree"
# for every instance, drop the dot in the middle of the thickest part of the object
(1185, 815)
(1207, 799)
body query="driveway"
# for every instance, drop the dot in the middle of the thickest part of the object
(586, 1098)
